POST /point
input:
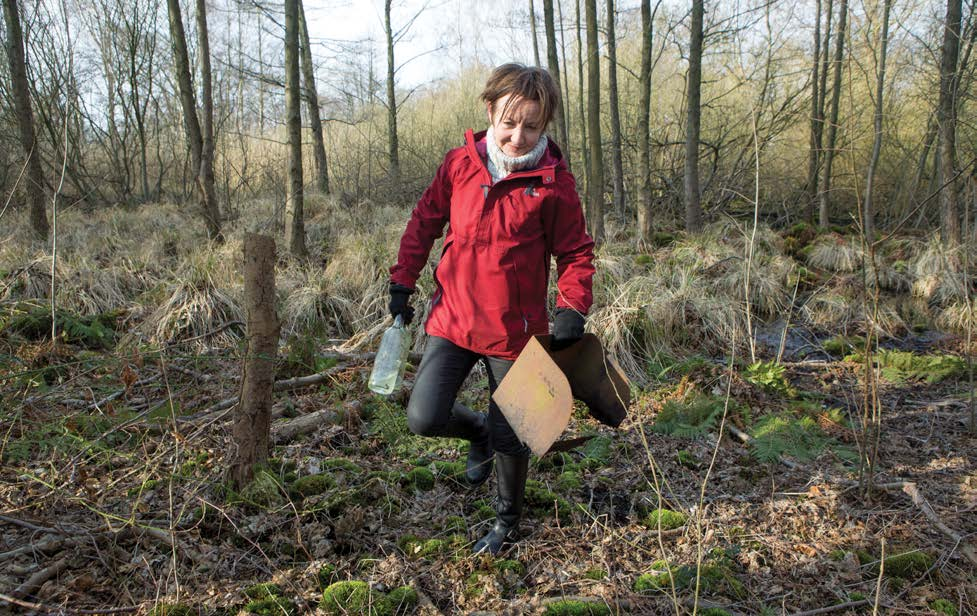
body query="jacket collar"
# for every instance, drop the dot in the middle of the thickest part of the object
(551, 161)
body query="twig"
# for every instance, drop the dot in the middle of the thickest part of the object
(37, 580)
(48, 546)
(912, 491)
(49, 610)
(833, 608)
(31, 525)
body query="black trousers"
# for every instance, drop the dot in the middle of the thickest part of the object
(433, 410)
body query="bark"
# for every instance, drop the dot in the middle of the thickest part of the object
(294, 210)
(693, 207)
(645, 212)
(205, 175)
(868, 215)
(553, 63)
(532, 25)
(312, 102)
(191, 123)
(595, 173)
(251, 429)
(585, 181)
(816, 121)
(946, 116)
(615, 113)
(829, 151)
(393, 158)
(566, 86)
(20, 93)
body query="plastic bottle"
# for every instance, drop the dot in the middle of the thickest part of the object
(391, 360)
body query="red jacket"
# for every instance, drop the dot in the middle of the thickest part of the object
(494, 268)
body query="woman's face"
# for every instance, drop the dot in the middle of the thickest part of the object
(518, 128)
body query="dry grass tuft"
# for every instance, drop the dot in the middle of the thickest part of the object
(835, 253)
(830, 310)
(31, 281)
(959, 317)
(769, 292)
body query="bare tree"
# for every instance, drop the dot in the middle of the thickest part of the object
(532, 26)
(693, 207)
(618, 203)
(580, 100)
(868, 216)
(25, 119)
(312, 102)
(645, 212)
(595, 171)
(947, 117)
(294, 210)
(205, 178)
(816, 121)
(829, 151)
(191, 122)
(553, 63)
(393, 157)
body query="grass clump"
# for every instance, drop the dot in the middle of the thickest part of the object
(574, 607)
(690, 418)
(835, 253)
(668, 519)
(906, 366)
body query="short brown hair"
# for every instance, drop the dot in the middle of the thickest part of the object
(528, 82)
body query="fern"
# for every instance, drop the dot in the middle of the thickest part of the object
(770, 376)
(906, 366)
(783, 434)
(689, 419)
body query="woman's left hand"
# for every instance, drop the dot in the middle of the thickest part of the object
(567, 328)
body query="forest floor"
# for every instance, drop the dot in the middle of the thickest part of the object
(114, 496)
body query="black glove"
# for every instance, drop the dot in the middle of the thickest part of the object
(567, 328)
(400, 302)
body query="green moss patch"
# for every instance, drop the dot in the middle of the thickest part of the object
(354, 597)
(310, 485)
(272, 606)
(570, 607)
(263, 591)
(667, 518)
(942, 606)
(419, 478)
(543, 501)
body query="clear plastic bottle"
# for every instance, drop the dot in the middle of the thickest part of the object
(391, 360)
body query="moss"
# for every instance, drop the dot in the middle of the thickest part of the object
(662, 238)
(419, 478)
(908, 565)
(856, 596)
(262, 591)
(272, 606)
(686, 458)
(569, 481)
(342, 464)
(543, 501)
(595, 574)
(943, 606)
(668, 519)
(354, 597)
(597, 452)
(515, 566)
(310, 485)
(839, 346)
(553, 461)
(455, 524)
(837, 555)
(474, 585)
(449, 469)
(325, 575)
(570, 607)
(643, 260)
(402, 599)
(483, 511)
(263, 491)
(415, 547)
(172, 609)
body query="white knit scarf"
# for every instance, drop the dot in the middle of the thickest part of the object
(500, 164)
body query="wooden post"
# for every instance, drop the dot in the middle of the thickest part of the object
(250, 433)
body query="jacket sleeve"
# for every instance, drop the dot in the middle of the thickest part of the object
(568, 241)
(426, 224)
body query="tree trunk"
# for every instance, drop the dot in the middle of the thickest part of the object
(251, 430)
(566, 86)
(868, 216)
(393, 158)
(205, 175)
(553, 63)
(815, 141)
(693, 207)
(645, 212)
(20, 93)
(615, 113)
(532, 25)
(829, 151)
(946, 115)
(294, 210)
(595, 174)
(312, 102)
(585, 180)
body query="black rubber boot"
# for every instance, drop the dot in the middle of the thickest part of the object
(478, 467)
(511, 475)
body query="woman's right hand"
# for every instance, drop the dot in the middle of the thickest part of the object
(400, 302)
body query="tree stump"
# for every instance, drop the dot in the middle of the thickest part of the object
(250, 433)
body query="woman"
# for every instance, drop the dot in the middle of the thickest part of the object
(510, 203)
